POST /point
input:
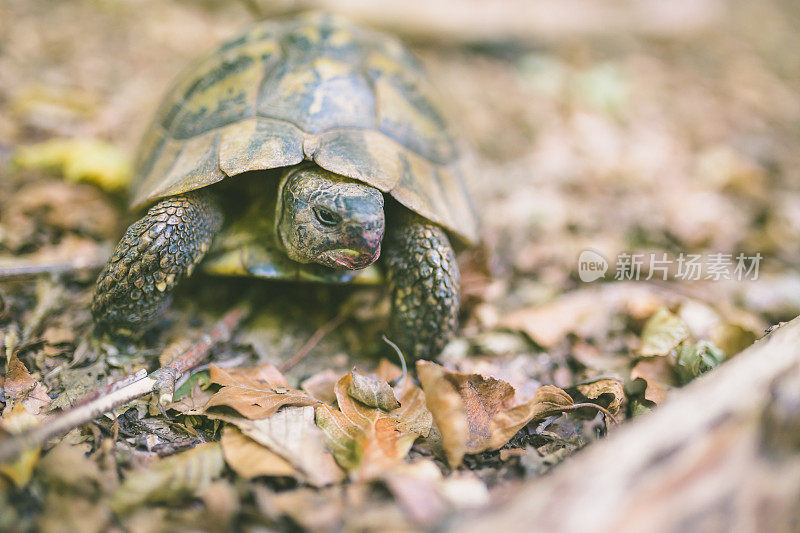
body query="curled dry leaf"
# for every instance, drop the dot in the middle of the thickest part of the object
(250, 459)
(662, 334)
(695, 359)
(607, 392)
(23, 388)
(292, 434)
(372, 391)
(366, 440)
(475, 413)
(170, 479)
(255, 392)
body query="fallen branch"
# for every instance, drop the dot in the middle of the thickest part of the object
(19, 269)
(161, 381)
(721, 455)
(519, 21)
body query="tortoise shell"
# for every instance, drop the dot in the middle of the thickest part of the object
(311, 88)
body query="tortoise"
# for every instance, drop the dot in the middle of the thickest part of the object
(304, 148)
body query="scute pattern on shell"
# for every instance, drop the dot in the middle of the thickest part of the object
(315, 87)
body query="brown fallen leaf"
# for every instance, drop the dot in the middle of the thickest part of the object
(22, 388)
(427, 496)
(366, 440)
(475, 413)
(255, 392)
(547, 324)
(659, 377)
(250, 459)
(606, 391)
(170, 479)
(292, 435)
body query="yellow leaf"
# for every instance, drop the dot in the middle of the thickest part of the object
(662, 333)
(90, 160)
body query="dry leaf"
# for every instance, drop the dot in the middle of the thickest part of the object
(250, 459)
(417, 488)
(607, 392)
(16, 420)
(255, 392)
(170, 479)
(292, 434)
(366, 440)
(372, 391)
(696, 359)
(547, 324)
(662, 333)
(321, 385)
(91, 160)
(658, 375)
(732, 338)
(22, 388)
(475, 413)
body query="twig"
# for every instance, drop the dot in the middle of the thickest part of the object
(166, 376)
(133, 388)
(402, 382)
(30, 270)
(313, 341)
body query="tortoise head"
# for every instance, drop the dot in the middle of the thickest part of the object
(328, 219)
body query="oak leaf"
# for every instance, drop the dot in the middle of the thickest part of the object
(476, 413)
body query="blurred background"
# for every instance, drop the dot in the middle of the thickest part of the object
(619, 126)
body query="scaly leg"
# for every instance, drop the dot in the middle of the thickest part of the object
(424, 283)
(152, 257)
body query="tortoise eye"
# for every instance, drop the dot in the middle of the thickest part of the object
(326, 216)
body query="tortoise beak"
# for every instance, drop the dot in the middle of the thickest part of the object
(353, 259)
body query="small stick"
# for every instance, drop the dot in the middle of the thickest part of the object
(402, 383)
(166, 376)
(30, 270)
(82, 413)
(313, 341)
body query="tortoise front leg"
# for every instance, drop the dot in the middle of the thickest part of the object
(155, 253)
(424, 284)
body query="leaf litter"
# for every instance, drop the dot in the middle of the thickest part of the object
(593, 145)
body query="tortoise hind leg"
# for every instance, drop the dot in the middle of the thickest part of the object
(155, 253)
(424, 284)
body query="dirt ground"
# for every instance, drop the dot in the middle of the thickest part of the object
(628, 142)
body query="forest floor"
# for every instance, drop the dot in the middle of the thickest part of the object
(671, 156)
